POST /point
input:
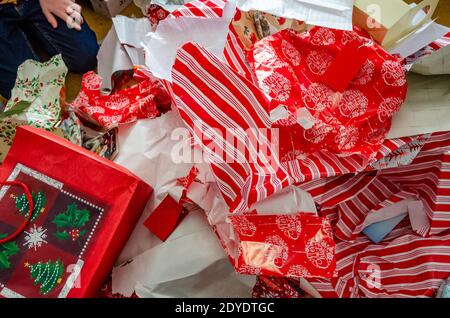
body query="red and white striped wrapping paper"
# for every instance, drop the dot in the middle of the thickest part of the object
(212, 98)
(204, 85)
(200, 9)
(234, 49)
(439, 44)
(426, 178)
(404, 265)
(222, 94)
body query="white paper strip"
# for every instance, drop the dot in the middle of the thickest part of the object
(335, 14)
(419, 39)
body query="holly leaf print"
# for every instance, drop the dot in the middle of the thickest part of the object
(71, 213)
(72, 220)
(62, 235)
(82, 233)
(4, 261)
(82, 217)
(62, 220)
(10, 248)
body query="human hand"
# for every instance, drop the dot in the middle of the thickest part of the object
(67, 10)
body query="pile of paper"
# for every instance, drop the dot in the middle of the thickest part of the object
(296, 148)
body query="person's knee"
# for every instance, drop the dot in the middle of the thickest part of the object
(86, 58)
(7, 82)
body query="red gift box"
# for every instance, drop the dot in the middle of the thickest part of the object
(84, 210)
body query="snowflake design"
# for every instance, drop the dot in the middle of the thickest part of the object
(35, 237)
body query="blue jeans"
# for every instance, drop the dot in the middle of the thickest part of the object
(24, 24)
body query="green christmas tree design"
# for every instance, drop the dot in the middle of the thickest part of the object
(72, 220)
(6, 251)
(47, 275)
(39, 200)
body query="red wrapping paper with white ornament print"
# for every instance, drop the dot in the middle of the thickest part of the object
(405, 263)
(85, 209)
(245, 106)
(300, 70)
(146, 99)
(295, 245)
(156, 13)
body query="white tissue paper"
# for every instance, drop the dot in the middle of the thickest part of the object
(191, 263)
(437, 63)
(145, 149)
(419, 39)
(161, 46)
(121, 49)
(427, 107)
(336, 14)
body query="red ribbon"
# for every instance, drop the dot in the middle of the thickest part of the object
(30, 213)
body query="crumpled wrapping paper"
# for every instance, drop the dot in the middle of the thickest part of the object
(294, 245)
(246, 179)
(121, 49)
(253, 26)
(169, 5)
(8, 131)
(145, 99)
(436, 60)
(276, 287)
(412, 260)
(206, 190)
(36, 96)
(190, 264)
(335, 14)
(36, 100)
(149, 157)
(103, 143)
(146, 148)
(250, 181)
(295, 70)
